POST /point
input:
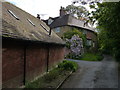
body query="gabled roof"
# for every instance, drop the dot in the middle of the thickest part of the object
(19, 24)
(69, 20)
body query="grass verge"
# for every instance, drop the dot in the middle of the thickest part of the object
(53, 78)
(92, 57)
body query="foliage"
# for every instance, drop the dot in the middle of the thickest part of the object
(78, 11)
(92, 57)
(52, 77)
(75, 41)
(47, 78)
(69, 34)
(108, 16)
(68, 65)
(87, 57)
(72, 56)
(75, 45)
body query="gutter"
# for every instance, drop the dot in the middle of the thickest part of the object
(33, 41)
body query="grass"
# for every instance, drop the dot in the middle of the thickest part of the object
(49, 80)
(55, 76)
(92, 57)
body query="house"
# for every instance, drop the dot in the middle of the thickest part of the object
(29, 47)
(66, 22)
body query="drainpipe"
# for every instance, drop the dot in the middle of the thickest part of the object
(50, 32)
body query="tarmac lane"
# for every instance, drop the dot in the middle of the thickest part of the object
(94, 74)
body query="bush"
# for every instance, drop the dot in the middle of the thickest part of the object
(51, 75)
(72, 56)
(68, 65)
(92, 57)
(71, 33)
(51, 79)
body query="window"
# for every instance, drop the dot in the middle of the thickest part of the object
(13, 14)
(93, 44)
(84, 32)
(89, 42)
(31, 22)
(50, 21)
(57, 30)
(44, 27)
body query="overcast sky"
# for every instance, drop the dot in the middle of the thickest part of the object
(45, 7)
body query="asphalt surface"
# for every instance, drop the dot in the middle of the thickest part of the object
(97, 74)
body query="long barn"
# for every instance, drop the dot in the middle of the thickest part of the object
(29, 48)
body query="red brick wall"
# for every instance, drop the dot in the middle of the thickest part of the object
(56, 54)
(12, 65)
(36, 61)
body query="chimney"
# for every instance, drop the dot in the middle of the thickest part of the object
(62, 11)
(38, 16)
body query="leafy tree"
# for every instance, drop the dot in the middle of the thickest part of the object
(69, 34)
(78, 11)
(107, 16)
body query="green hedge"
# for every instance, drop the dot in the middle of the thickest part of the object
(68, 65)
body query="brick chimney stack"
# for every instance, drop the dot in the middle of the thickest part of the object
(62, 11)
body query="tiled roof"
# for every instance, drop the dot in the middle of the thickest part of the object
(69, 20)
(19, 24)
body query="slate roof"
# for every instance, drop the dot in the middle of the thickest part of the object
(70, 21)
(25, 26)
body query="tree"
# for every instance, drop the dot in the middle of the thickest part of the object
(107, 16)
(78, 11)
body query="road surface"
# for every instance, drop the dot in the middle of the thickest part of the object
(94, 74)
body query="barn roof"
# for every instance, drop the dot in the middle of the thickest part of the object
(70, 21)
(19, 24)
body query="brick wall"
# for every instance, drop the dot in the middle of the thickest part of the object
(36, 61)
(12, 64)
(56, 54)
(36, 55)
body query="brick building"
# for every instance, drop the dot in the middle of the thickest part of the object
(66, 22)
(29, 49)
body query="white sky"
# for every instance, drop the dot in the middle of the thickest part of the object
(48, 7)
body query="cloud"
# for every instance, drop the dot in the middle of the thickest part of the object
(47, 7)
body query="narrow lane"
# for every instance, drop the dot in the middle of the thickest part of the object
(97, 74)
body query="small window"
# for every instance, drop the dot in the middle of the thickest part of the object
(50, 21)
(31, 22)
(84, 32)
(93, 44)
(13, 14)
(44, 27)
(57, 30)
(89, 42)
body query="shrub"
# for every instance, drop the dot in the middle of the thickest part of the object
(72, 56)
(51, 75)
(92, 57)
(68, 65)
(71, 33)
